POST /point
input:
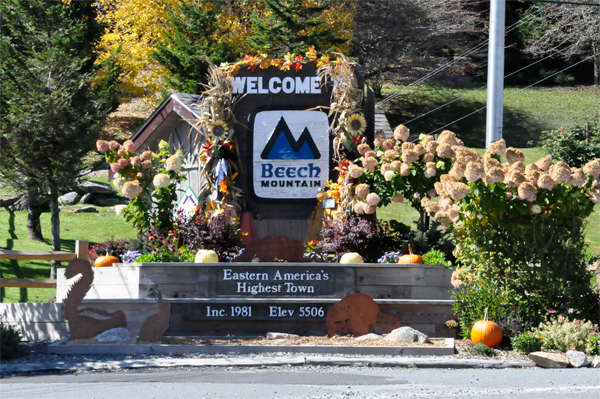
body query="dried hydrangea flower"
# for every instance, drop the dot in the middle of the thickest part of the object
(426, 139)
(458, 170)
(428, 157)
(465, 154)
(362, 190)
(440, 188)
(429, 205)
(132, 189)
(545, 182)
(592, 168)
(398, 198)
(389, 175)
(355, 171)
(458, 191)
(431, 146)
(513, 178)
(532, 176)
(409, 157)
(419, 149)
(474, 171)
(363, 148)
(494, 175)
(445, 203)
(397, 165)
(113, 145)
(514, 155)
(408, 146)
(536, 208)
(369, 163)
(496, 148)
(397, 150)
(129, 146)
(173, 163)
(388, 144)
(527, 192)
(372, 199)
(453, 213)
(102, 145)
(544, 163)
(161, 180)
(491, 163)
(445, 150)
(560, 172)
(401, 133)
(532, 167)
(519, 166)
(578, 178)
(448, 137)
(380, 134)
(432, 193)
(386, 167)
(404, 169)
(359, 208)
(390, 155)
(370, 154)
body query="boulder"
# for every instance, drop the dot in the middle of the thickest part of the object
(118, 334)
(368, 337)
(549, 360)
(87, 198)
(69, 199)
(278, 335)
(110, 201)
(596, 362)
(22, 204)
(73, 186)
(10, 200)
(407, 335)
(86, 209)
(577, 359)
(95, 187)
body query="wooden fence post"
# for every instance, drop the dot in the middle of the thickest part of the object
(81, 249)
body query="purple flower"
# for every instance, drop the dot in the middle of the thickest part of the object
(552, 311)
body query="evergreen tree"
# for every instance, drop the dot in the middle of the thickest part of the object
(292, 26)
(196, 27)
(54, 98)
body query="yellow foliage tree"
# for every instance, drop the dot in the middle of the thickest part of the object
(135, 26)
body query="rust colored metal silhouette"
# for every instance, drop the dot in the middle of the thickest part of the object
(84, 327)
(358, 314)
(155, 325)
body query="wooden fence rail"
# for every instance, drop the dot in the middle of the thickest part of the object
(81, 252)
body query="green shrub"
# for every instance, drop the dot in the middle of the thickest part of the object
(483, 350)
(572, 145)
(435, 257)
(564, 335)
(11, 342)
(527, 343)
(594, 345)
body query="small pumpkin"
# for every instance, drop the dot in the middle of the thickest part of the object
(106, 261)
(351, 257)
(206, 256)
(486, 331)
(410, 258)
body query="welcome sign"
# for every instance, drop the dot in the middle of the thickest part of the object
(282, 129)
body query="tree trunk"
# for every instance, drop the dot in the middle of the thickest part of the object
(55, 220)
(34, 210)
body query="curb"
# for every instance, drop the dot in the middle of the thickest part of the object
(266, 362)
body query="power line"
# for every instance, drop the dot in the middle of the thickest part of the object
(515, 93)
(455, 60)
(482, 87)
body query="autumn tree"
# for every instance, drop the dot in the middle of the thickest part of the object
(185, 51)
(291, 26)
(55, 99)
(571, 31)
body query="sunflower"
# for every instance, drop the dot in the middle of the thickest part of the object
(356, 124)
(217, 128)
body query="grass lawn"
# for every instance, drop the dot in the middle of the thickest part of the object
(526, 114)
(93, 227)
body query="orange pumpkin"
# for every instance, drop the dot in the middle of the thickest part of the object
(106, 261)
(411, 258)
(486, 332)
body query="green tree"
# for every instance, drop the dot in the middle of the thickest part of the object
(196, 27)
(291, 26)
(55, 100)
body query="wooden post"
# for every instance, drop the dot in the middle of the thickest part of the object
(81, 249)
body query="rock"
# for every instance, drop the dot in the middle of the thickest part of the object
(22, 204)
(407, 335)
(577, 359)
(550, 360)
(596, 362)
(69, 199)
(119, 334)
(96, 187)
(73, 186)
(89, 209)
(110, 201)
(87, 198)
(10, 200)
(277, 335)
(369, 337)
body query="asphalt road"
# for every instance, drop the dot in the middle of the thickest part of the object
(308, 383)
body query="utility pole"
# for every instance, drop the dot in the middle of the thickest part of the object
(495, 93)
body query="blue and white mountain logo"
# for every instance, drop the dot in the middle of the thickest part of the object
(290, 154)
(283, 145)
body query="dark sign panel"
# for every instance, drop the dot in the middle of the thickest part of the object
(280, 281)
